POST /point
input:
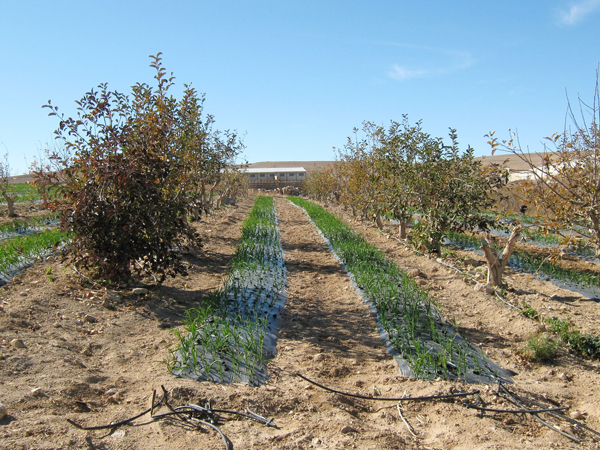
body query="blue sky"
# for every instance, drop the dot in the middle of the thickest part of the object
(297, 76)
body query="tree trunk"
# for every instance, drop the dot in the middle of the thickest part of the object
(10, 202)
(364, 213)
(596, 227)
(195, 212)
(211, 193)
(497, 262)
(435, 247)
(11, 207)
(402, 229)
(203, 200)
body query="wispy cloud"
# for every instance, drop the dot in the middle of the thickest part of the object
(578, 11)
(444, 62)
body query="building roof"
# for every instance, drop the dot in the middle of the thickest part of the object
(273, 170)
(309, 166)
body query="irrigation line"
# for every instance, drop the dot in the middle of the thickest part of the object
(391, 399)
(259, 418)
(210, 413)
(227, 442)
(111, 425)
(558, 414)
(408, 246)
(122, 422)
(508, 303)
(538, 418)
(177, 411)
(515, 411)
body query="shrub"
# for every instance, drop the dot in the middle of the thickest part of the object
(118, 172)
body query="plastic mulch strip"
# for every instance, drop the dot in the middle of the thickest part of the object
(233, 335)
(22, 252)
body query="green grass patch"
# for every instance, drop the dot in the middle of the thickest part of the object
(541, 348)
(533, 263)
(529, 312)
(25, 192)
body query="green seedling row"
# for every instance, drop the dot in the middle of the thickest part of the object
(21, 251)
(232, 335)
(31, 225)
(412, 324)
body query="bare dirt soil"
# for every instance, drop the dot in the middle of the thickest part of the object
(95, 356)
(23, 211)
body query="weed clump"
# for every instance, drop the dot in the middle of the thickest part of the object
(587, 345)
(541, 348)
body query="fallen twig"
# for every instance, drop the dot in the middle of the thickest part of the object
(410, 429)
(185, 413)
(392, 399)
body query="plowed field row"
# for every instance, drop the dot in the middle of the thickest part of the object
(103, 368)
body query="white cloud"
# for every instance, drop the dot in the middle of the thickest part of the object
(402, 73)
(448, 61)
(578, 11)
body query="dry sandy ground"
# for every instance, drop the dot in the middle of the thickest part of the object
(96, 360)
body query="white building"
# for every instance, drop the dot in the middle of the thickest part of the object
(275, 176)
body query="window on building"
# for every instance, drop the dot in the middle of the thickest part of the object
(262, 175)
(252, 176)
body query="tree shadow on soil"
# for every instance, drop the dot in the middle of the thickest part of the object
(209, 262)
(168, 304)
(305, 247)
(337, 330)
(479, 337)
(569, 299)
(307, 267)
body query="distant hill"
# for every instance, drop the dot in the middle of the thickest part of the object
(508, 160)
(512, 162)
(20, 179)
